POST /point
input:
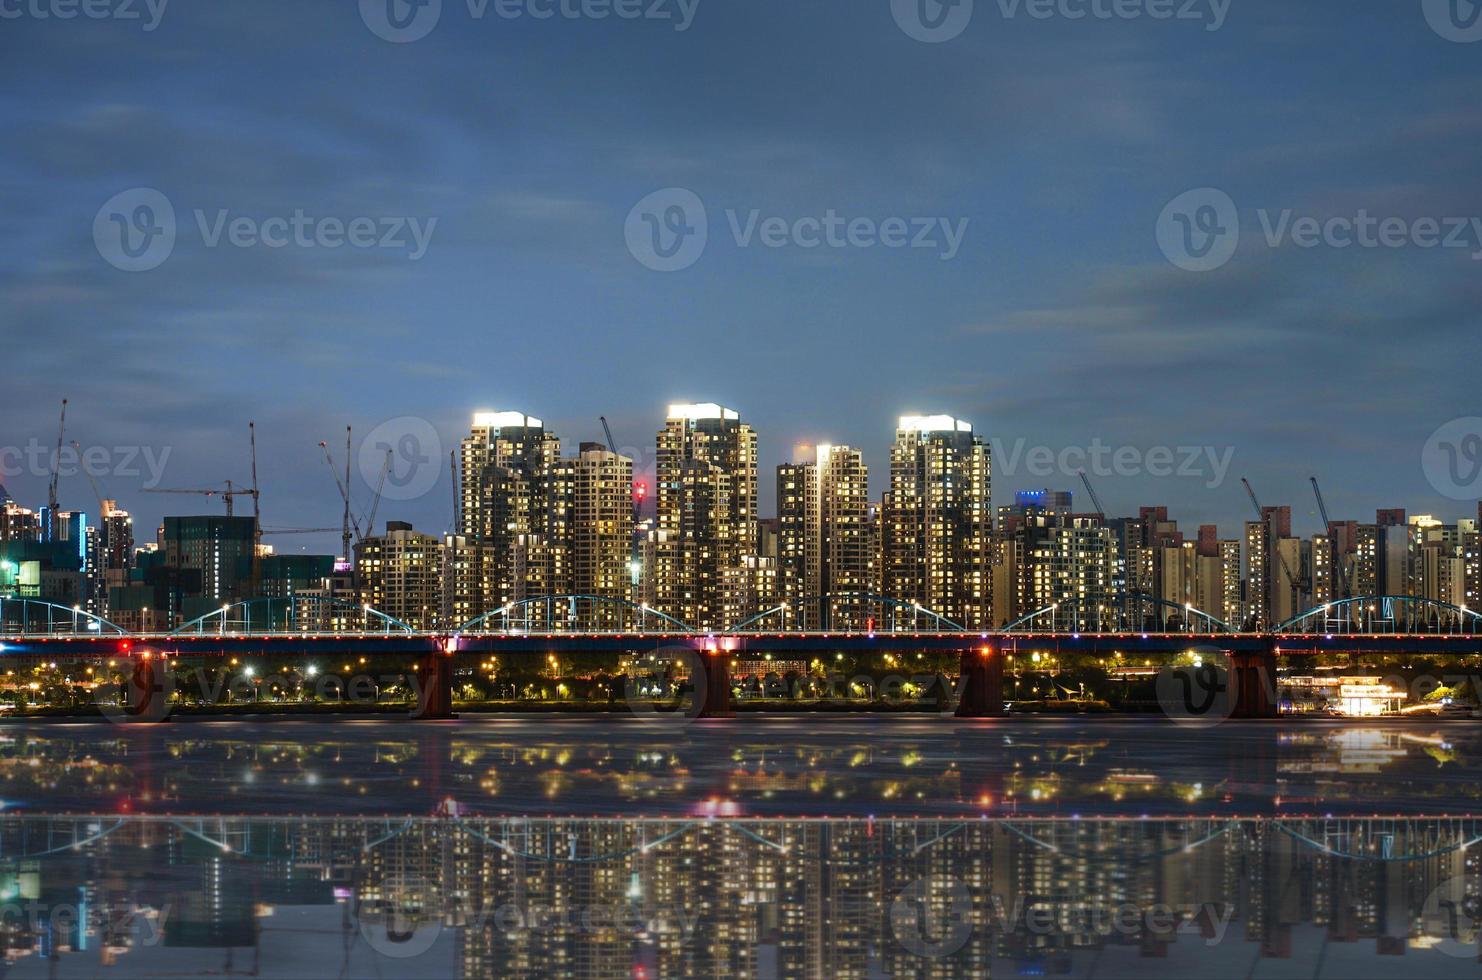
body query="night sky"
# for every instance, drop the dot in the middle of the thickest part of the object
(1059, 322)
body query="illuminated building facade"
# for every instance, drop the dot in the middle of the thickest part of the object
(825, 534)
(401, 574)
(937, 519)
(707, 515)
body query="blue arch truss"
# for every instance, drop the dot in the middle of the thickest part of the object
(1135, 612)
(1385, 614)
(299, 615)
(848, 612)
(575, 614)
(34, 617)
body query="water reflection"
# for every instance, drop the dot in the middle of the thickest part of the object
(764, 768)
(453, 895)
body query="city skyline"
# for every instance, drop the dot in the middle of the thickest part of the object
(1019, 465)
(532, 520)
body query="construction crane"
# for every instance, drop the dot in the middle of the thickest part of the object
(611, 443)
(298, 530)
(1100, 510)
(105, 505)
(52, 505)
(1340, 559)
(1261, 516)
(230, 493)
(256, 496)
(344, 488)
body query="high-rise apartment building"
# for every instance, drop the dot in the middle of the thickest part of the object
(602, 526)
(706, 515)
(825, 538)
(515, 499)
(937, 523)
(401, 573)
(1273, 564)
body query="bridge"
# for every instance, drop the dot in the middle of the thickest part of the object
(1132, 625)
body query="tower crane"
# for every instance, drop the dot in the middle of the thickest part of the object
(105, 508)
(1095, 500)
(344, 488)
(56, 465)
(1261, 516)
(1340, 560)
(230, 493)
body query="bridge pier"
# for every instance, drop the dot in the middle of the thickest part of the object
(982, 684)
(147, 696)
(1253, 684)
(434, 686)
(715, 685)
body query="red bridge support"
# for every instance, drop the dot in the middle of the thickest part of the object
(1253, 685)
(715, 684)
(435, 686)
(981, 682)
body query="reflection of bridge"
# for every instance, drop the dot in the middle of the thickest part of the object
(1131, 896)
(1133, 625)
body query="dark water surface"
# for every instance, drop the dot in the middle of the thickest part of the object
(762, 847)
(752, 766)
